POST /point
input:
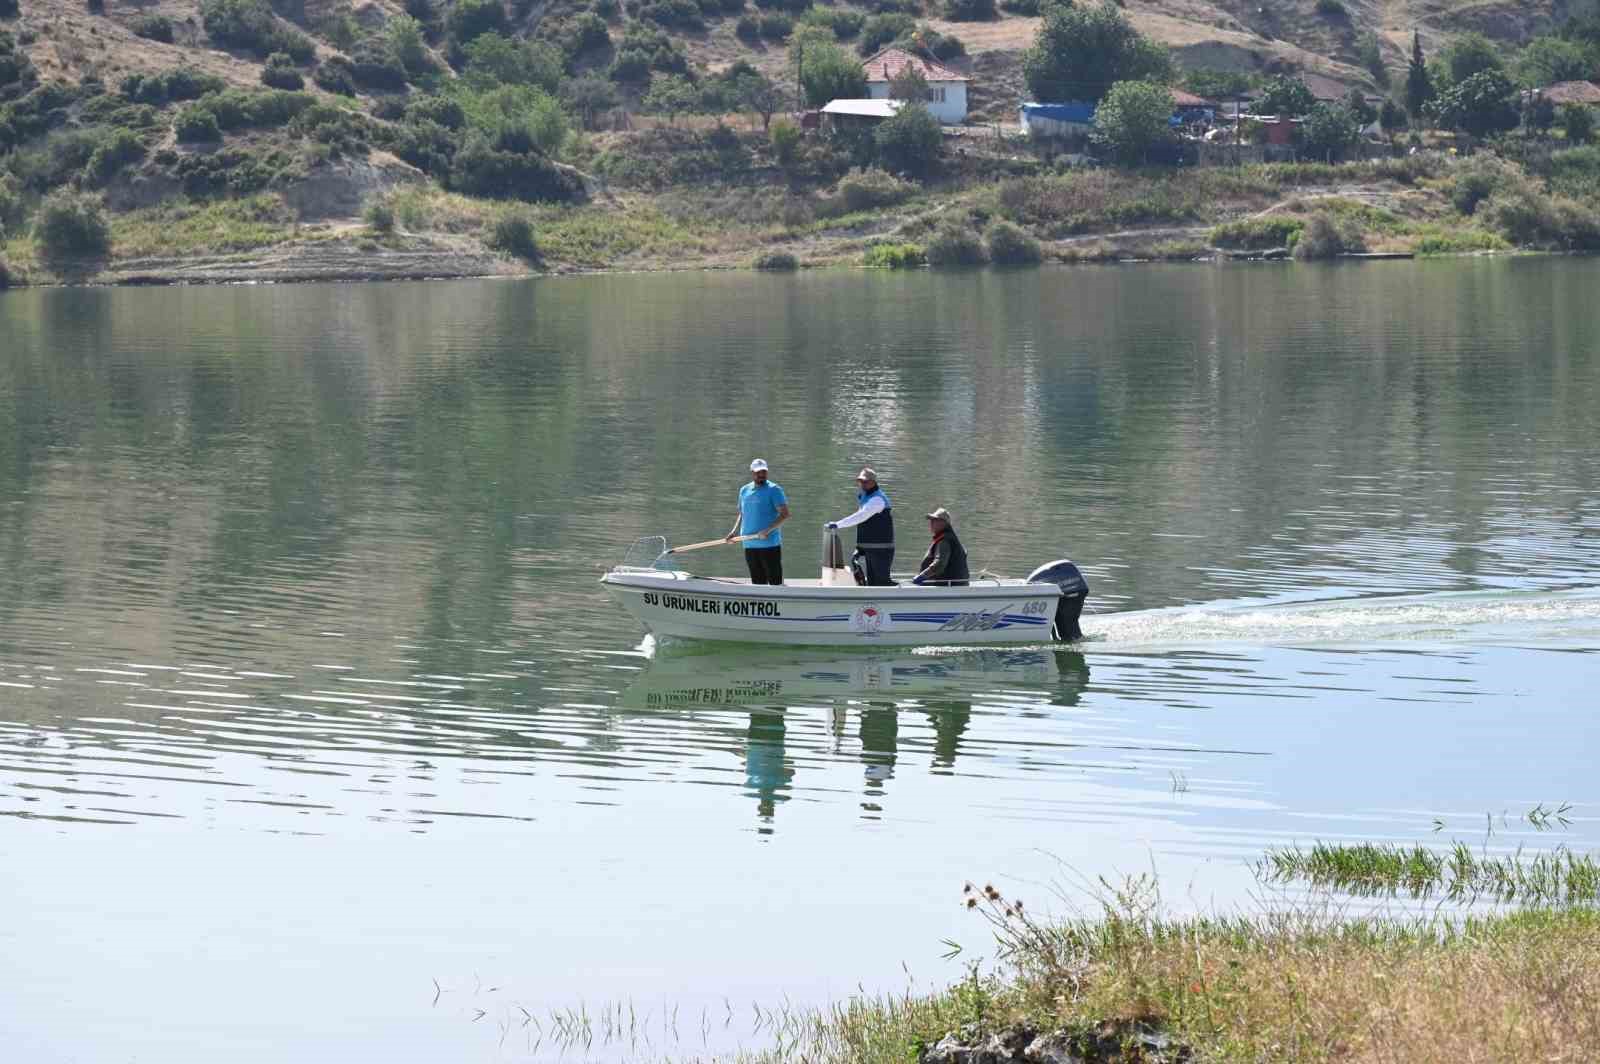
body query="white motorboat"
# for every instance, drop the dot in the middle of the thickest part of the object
(832, 610)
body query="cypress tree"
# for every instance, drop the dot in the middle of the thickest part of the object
(1419, 87)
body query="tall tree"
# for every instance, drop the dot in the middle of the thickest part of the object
(1134, 117)
(1081, 52)
(1482, 104)
(1419, 86)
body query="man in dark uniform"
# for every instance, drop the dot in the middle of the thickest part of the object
(874, 525)
(945, 564)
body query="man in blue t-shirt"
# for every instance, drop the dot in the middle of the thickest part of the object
(762, 508)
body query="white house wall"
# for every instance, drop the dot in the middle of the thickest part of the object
(948, 99)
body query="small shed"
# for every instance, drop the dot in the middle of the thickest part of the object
(855, 114)
(1564, 92)
(947, 89)
(1044, 120)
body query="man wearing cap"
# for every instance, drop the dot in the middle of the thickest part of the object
(945, 564)
(762, 508)
(874, 525)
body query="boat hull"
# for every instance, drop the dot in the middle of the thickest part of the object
(677, 605)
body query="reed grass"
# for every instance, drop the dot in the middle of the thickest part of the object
(1458, 874)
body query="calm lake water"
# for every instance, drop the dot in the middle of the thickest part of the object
(319, 740)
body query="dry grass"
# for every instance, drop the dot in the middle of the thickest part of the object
(1506, 987)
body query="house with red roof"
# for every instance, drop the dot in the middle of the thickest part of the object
(947, 89)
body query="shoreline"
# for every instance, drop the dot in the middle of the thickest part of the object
(207, 270)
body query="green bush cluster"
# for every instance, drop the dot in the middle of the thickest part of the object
(956, 245)
(1327, 235)
(872, 189)
(280, 73)
(644, 50)
(5, 272)
(881, 30)
(969, 10)
(681, 14)
(250, 25)
(1528, 217)
(172, 86)
(1011, 245)
(10, 8)
(1258, 234)
(841, 22)
(776, 26)
(667, 156)
(512, 233)
(777, 261)
(71, 225)
(894, 256)
(154, 28)
(481, 168)
(237, 171)
(117, 149)
(337, 75)
(379, 217)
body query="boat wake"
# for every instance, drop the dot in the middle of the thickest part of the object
(1559, 620)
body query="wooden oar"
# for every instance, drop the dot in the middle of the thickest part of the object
(719, 543)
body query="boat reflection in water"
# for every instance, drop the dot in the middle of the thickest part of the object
(780, 688)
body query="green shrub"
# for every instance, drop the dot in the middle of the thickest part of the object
(1530, 218)
(337, 75)
(969, 10)
(251, 25)
(748, 28)
(842, 23)
(197, 124)
(154, 28)
(775, 26)
(784, 137)
(777, 260)
(955, 245)
(865, 190)
(470, 18)
(894, 256)
(10, 8)
(682, 14)
(512, 233)
(1327, 236)
(172, 86)
(480, 169)
(1258, 234)
(12, 211)
(95, 7)
(1010, 245)
(379, 217)
(71, 225)
(881, 30)
(1577, 122)
(1332, 8)
(280, 73)
(6, 277)
(1020, 7)
(910, 140)
(119, 148)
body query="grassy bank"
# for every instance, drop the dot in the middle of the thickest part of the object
(1509, 986)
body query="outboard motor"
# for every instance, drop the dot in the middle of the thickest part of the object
(1074, 590)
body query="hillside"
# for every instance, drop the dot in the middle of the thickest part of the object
(159, 108)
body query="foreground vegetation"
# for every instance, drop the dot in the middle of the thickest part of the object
(1308, 984)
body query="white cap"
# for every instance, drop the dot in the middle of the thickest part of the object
(758, 466)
